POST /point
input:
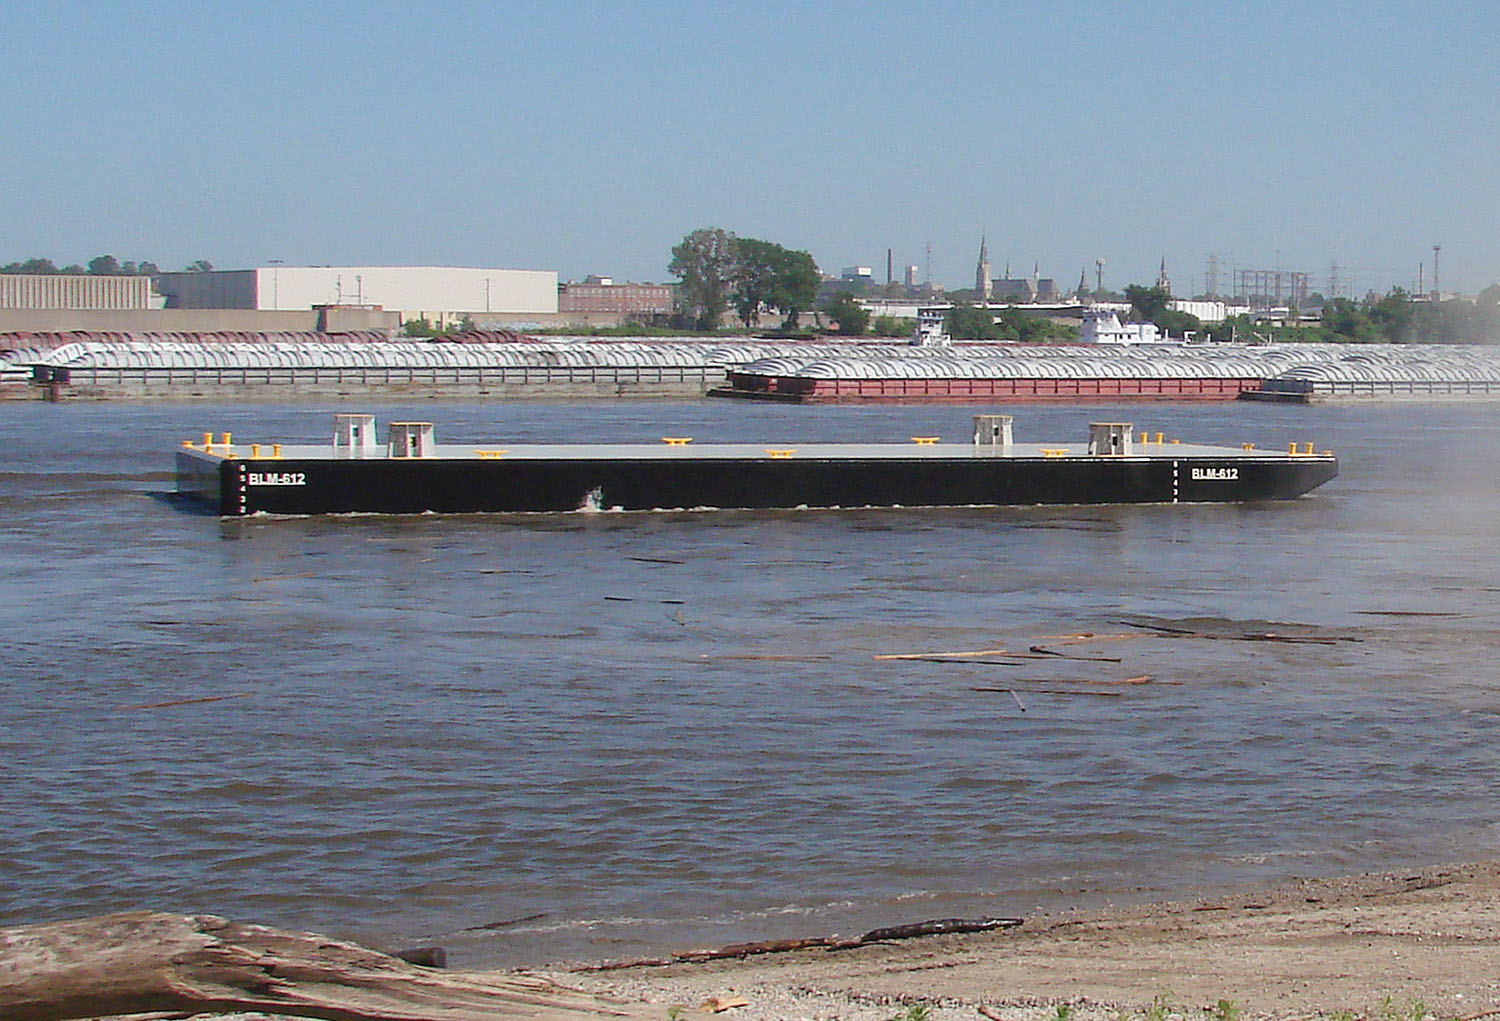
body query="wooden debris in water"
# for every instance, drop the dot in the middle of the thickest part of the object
(971, 653)
(185, 701)
(1048, 691)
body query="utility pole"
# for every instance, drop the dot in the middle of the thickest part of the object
(1098, 275)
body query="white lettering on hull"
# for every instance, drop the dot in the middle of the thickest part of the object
(1216, 474)
(276, 479)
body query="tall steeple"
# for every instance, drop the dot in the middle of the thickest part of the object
(984, 284)
(1083, 285)
(1162, 280)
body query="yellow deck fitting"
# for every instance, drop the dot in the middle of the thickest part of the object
(1054, 451)
(255, 450)
(276, 451)
(1176, 441)
(187, 443)
(489, 455)
(924, 441)
(227, 439)
(781, 452)
(677, 441)
(1307, 448)
(1158, 439)
(1247, 446)
(208, 440)
(1292, 448)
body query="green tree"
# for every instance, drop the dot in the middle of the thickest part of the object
(892, 326)
(754, 274)
(418, 328)
(767, 274)
(796, 285)
(705, 263)
(104, 266)
(33, 266)
(200, 266)
(1147, 303)
(966, 322)
(852, 318)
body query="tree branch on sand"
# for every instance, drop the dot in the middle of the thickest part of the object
(143, 961)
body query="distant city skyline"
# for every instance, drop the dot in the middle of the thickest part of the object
(588, 139)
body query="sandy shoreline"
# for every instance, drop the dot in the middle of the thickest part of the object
(1294, 950)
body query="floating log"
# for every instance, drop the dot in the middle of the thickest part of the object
(1042, 650)
(185, 701)
(946, 655)
(1050, 691)
(146, 962)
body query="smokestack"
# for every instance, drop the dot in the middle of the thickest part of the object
(890, 275)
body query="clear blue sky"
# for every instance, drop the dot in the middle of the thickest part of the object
(589, 137)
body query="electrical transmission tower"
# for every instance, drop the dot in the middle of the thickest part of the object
(1211, 279)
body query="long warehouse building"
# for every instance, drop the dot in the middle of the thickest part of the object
(443, 295)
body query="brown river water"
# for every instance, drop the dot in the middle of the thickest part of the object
(606, 735)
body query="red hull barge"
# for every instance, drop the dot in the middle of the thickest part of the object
(809, 390)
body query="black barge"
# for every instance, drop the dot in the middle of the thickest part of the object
(412, 474)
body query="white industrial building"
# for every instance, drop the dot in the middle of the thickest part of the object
(442, 295)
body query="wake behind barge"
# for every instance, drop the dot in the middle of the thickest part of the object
(412, 474)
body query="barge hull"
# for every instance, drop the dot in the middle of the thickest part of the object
(236, 486)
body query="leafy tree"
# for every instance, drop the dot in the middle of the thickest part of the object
(965, 322)
(1147, 303)
(892, 326)
(705, 262)
(754, 274)
(147, 269)
(766, 274)
(796, 285)
(1016, 326)
(1154, 305)
(33, 266)
(418, 328)
(73, 270)
(200, 266)
(104, 266)
(1490, 295)
(852, 318)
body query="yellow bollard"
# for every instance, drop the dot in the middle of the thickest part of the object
(1248, 446)
(1158, 439)
(1307, 448)
(226, 440)
(1292, 449)
(208, 440)
(187, 443)
(276, 451)
(255, 450)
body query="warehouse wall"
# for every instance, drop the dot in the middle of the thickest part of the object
(69, 291)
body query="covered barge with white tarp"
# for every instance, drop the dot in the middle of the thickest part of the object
(411, 473)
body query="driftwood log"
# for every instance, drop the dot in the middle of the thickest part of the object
(143, 961)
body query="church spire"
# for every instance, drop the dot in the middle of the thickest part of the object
(1162, 280)
(984, 284)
